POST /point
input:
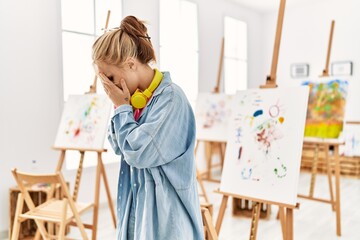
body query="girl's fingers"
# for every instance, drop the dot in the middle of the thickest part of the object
(124, 87)
(107, 84)
(104, 79)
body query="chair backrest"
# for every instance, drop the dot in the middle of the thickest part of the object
(24, 180)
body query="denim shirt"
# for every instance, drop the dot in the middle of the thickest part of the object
(157, 171)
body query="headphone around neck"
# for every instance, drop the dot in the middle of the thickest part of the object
(139, 99)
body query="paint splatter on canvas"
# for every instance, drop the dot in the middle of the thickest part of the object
(212, 116)
(264, 147)
(326, 108)
(84, 122)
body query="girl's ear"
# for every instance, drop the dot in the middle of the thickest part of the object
(131, 63)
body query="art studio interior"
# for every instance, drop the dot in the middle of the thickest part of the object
(272, 87)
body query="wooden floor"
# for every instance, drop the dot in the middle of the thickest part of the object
(314, 220)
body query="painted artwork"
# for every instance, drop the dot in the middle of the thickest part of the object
(351, 136)
(212, 112)
(263, 153)
(326, 109)
(84, 122)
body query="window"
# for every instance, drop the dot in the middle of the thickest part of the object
(82, 21)
(179, 51)
(235, 55)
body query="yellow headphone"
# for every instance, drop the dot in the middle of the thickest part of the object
(139, 99)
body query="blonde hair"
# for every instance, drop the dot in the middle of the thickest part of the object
(130, 40)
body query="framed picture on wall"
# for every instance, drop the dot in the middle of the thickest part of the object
(343, 68)
(299, 70)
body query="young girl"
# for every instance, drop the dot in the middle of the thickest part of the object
(153, 130)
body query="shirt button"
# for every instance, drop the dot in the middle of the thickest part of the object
(134, 184)
(122, 172)
(120, 185)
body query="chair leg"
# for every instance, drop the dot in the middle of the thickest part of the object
(37, 235)
(17, 223)
(210, 229)
(63, 220)
(78, 221)
(42, 229)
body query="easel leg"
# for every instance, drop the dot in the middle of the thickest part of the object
(61, 161)
(201, 183)
(111, 205)
(337, 187)
(314, 170)
(78, 176)
(282, 221)
(196, 147)
(289, 224)
(255, 220)
(222, 147)
(221, 214)
(199, 177)
(329, 173)
(96, 201)
(208, 156)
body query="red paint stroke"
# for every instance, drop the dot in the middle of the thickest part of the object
(240, 150)
(77, 132)
(263, 139)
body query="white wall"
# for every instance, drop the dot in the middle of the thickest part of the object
(149, 11)
(305, 40)
(31, 81)
(211, 30)
(30, 89)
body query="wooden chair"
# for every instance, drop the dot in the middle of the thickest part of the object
(61, 212)
(209, 229)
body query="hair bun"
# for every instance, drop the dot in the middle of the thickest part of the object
(133, 26)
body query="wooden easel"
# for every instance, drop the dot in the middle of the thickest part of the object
(286, 218)
(323, 143)
(100, 172)
(93, 86)
(211, 145)
(271, 79)
(325, 72)
(199, 178)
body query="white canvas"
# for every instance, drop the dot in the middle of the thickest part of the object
(263, 153)
(213, 111)
(84, 122)
(352, 140)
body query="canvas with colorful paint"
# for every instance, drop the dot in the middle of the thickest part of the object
(212, 115)
(84, 122)
(326, 108)
(263, 153)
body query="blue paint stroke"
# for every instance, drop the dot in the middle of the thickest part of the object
(258, 113)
